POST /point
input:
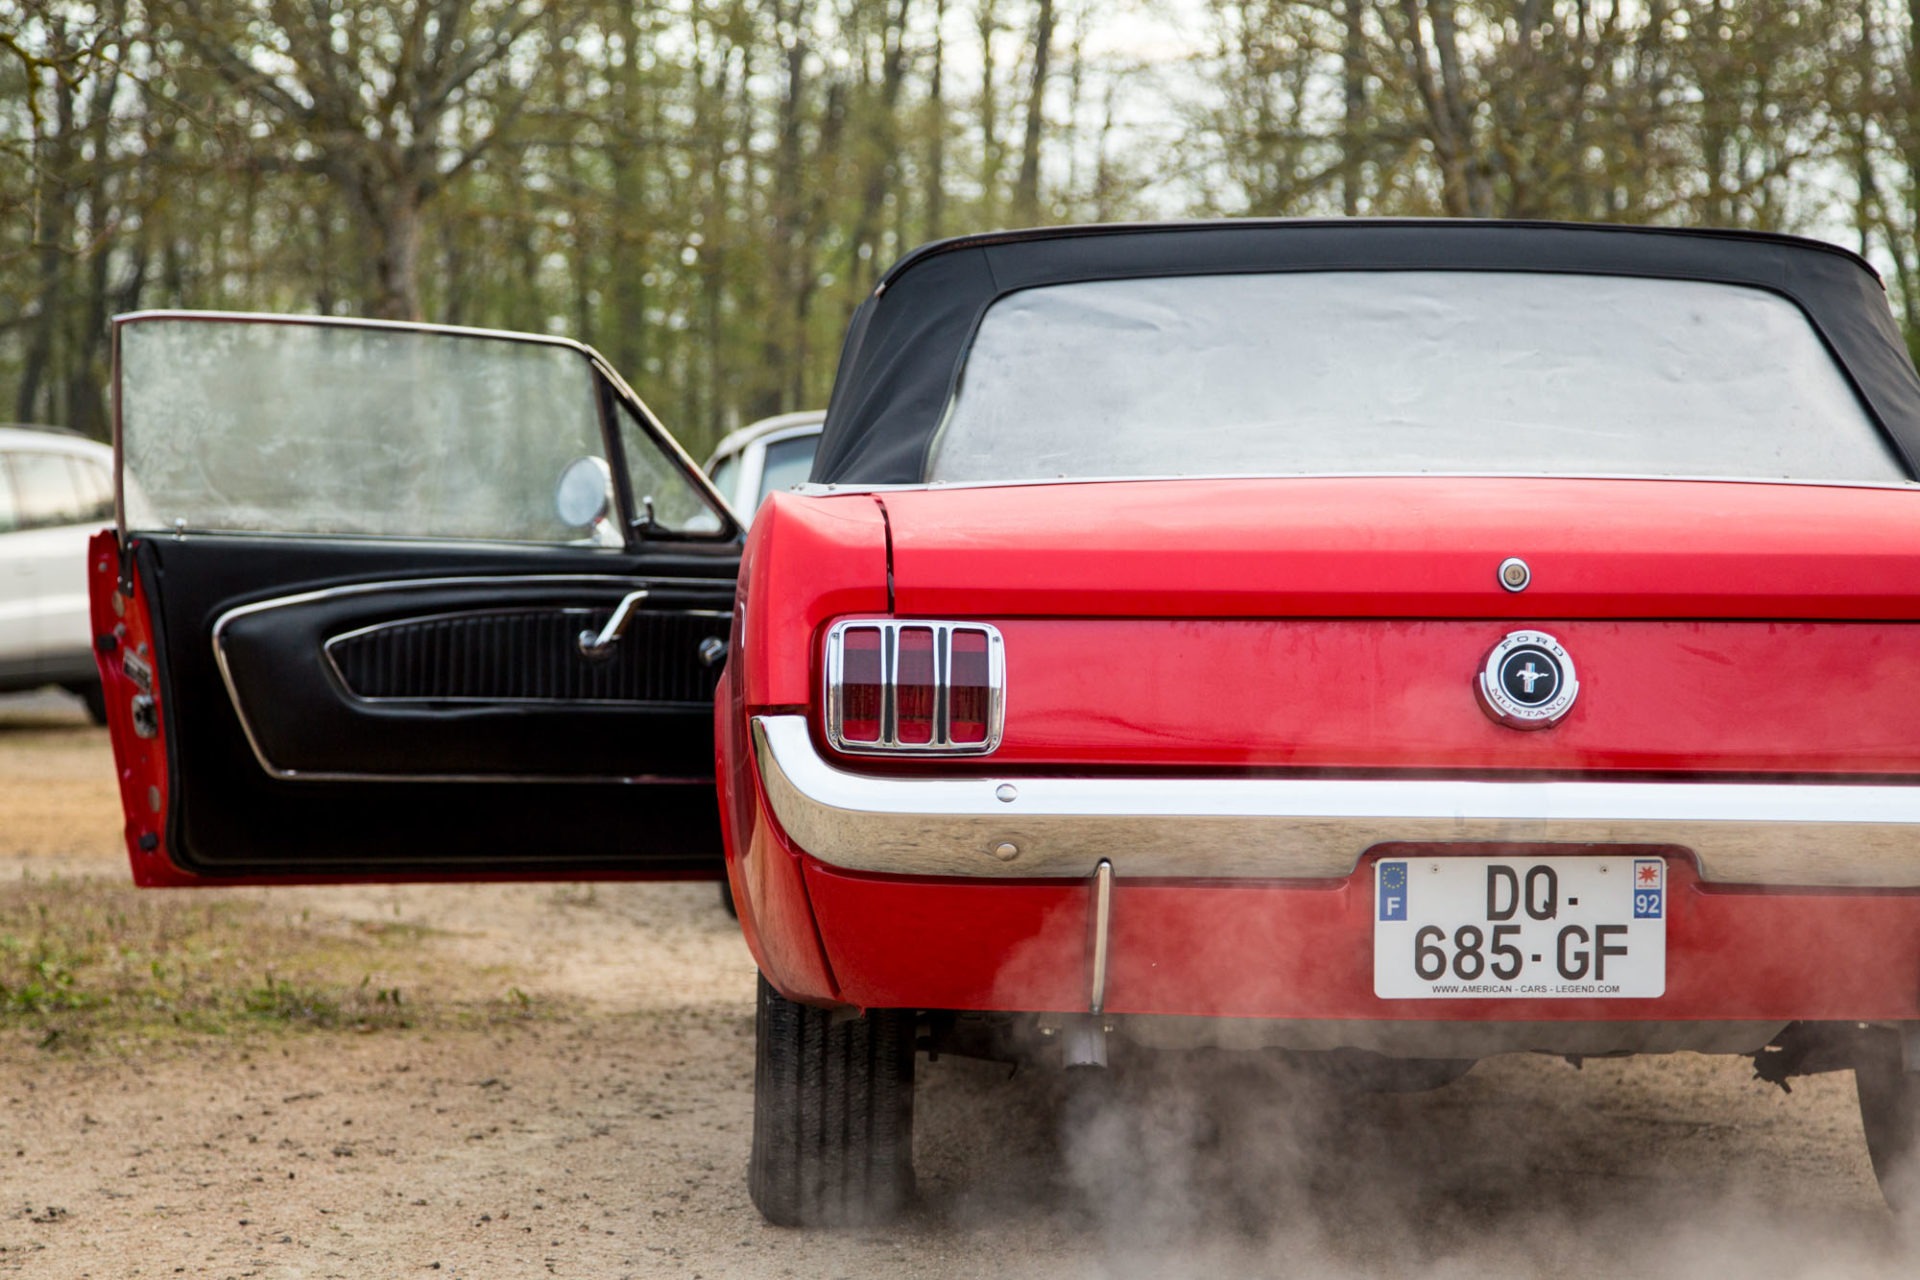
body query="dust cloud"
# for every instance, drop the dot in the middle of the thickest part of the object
(1204, 1166)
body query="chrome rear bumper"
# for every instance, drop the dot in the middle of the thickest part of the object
(1204, 827)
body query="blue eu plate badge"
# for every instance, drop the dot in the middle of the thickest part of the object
(1393, 890)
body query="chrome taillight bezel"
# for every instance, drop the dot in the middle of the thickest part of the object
(889, 744)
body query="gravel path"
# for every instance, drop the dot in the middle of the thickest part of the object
(608, 1136)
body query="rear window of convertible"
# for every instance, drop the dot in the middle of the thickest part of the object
(1403, 372)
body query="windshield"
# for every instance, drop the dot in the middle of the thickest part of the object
(1403, 372)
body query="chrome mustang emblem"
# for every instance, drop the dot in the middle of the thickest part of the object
(1528, 681)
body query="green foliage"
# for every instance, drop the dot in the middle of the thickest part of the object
(706, 191)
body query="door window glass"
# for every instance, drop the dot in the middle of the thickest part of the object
(678, 507)
(47, 495)
(344, 430)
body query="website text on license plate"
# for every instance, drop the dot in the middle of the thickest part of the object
(1520, 928)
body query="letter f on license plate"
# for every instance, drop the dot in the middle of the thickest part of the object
(1519, 928)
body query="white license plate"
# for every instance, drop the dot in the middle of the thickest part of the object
(1519, 928)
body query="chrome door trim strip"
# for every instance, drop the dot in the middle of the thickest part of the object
(340, 677)
(350, 322)
(1800, 834)
(622, 581)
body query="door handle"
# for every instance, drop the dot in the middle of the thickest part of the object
(598, 645)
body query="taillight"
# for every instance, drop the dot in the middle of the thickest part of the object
(862, 678)
(934, 688)
(916, 687)
(972, 691)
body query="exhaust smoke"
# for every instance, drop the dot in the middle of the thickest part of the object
(1203, 1165)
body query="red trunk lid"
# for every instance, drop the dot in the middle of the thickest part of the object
(1340, 623)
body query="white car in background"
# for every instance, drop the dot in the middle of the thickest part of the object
(56, 491)
(765, 457)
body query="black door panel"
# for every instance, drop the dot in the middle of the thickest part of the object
(349, 765)
(475, 677)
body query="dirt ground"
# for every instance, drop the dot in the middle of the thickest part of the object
(569, 1093)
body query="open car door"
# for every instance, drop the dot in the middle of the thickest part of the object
(393, 601)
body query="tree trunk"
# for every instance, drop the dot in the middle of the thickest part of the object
(1471, 166)
(1449, 147)
(988, 19)
(936, 187)
(396, 257)
(53, 230)
(1026, 189)
(1902, 242)
(882, 159)
(626, 145)
(1353, 83)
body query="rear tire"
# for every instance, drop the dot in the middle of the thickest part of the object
(832, 1115)
(1890, 1113)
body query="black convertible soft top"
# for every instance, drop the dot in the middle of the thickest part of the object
(908, 340)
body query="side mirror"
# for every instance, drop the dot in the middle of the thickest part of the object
(585, 493)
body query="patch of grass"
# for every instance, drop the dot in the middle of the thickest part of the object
(45, 984)
(396, 932)
(277, 1000)
(84, 960)
(365, 1007)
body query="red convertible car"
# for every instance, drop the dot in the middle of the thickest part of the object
(1387, 643)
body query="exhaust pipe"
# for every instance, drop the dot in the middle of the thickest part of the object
(1083, 1036)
